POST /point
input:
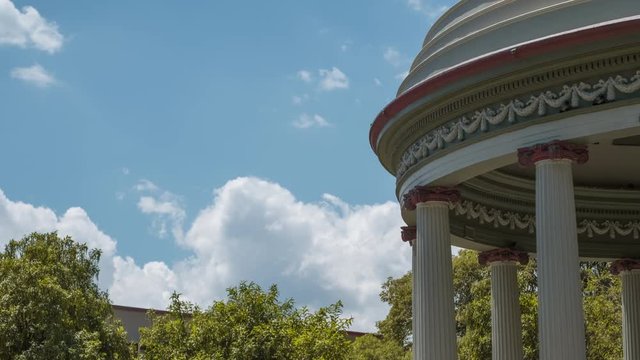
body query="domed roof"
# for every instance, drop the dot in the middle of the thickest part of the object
(475, 28)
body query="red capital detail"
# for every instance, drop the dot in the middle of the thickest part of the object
(408, 233)
(489, 256)
(423, 194)
(554, 150)
(621, 265)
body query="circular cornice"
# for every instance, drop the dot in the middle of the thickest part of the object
(498, 59)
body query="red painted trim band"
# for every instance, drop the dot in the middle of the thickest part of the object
(500, 58)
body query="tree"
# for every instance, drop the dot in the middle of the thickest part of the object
(472, 299)
(397, 325)
(371, 347)
(250, 324)
(50, 305)
(602, 311)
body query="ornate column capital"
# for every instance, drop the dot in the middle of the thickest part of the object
(408, 234)
(621, 265)
(554, 150)
(490, 256)
(423, 194)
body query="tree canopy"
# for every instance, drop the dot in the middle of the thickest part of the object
(472, 299)
(250, 324)
(50, 305)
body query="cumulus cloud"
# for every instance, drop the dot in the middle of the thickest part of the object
(305, 76)
(165, 208)
(18, 219)
(150, 285)
(253, 229)
(27, 28)
(305, 121)
(257, 230)
(327, 80)
(34, 75)
(333, 79)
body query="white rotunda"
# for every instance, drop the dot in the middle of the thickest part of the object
(517, 131)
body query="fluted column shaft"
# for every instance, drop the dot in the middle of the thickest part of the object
(506, 328)
(631, 314)
(414, 291)
(435, 336)
(561, 317)
(560, 314)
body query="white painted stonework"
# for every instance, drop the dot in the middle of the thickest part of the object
(631, 314)
(506, 328)
(560, 314)
(435, 333)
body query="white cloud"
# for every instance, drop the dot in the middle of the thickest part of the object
(18, 219)
(35, 75)
(333, 79)
(149, 286)
(305, 121)
(432, 11)
(299, 99)
(393, 57)
(415, 4)
(305, 76)
(256, 230)
(346, 45)
(165, 208)
(27, 28)
(146, 185)
(317, 252)
(377, 81)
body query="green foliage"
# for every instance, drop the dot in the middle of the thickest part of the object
(370, 347)
(472, 298)
(528, 285)
(602, 311)
(250, 324)
(50, 305)
(397, 325)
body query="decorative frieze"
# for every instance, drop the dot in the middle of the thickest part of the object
(503, 255)
(497, 217)
(423, 194)
(507, 114)
(514, 220)
(553, 150)
(610, 227)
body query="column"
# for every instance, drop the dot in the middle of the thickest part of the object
(435, 332)
(560, 313)
(409, 235)
(506, 327)
(629, 271)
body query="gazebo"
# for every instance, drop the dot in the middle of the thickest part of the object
(517, 133)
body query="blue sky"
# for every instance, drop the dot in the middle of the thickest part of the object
(206, 143)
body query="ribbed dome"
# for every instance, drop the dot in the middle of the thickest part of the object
(474, 28)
